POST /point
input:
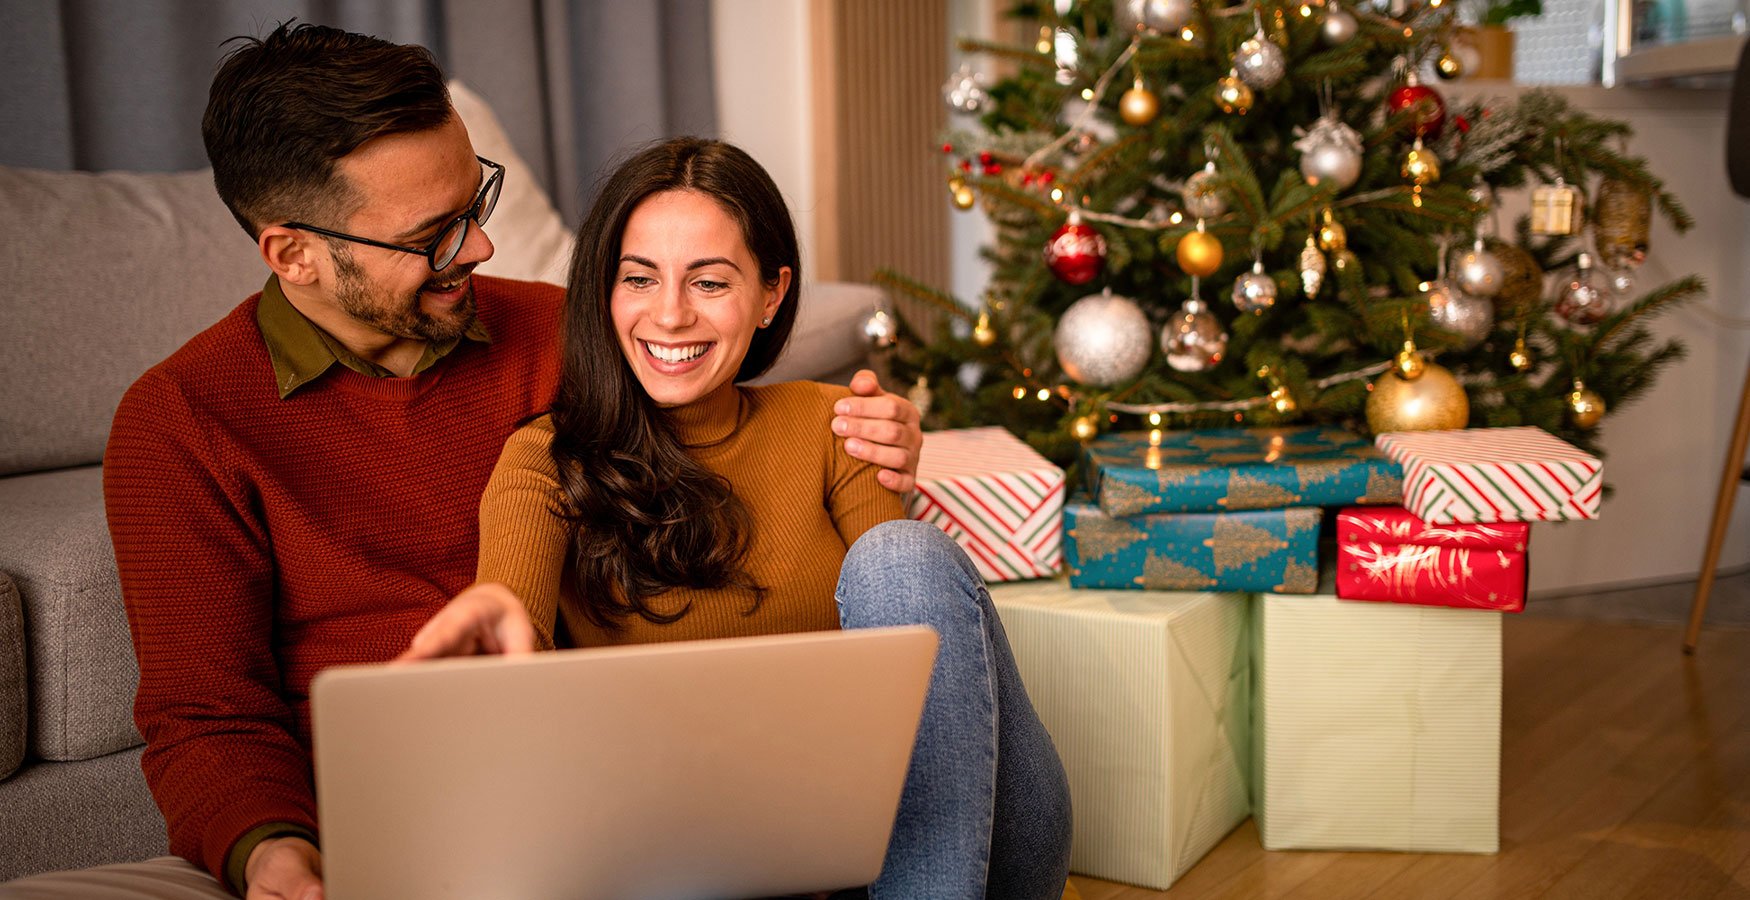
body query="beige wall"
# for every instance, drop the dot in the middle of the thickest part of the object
(763, 96)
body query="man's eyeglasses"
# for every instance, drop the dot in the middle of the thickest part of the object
(443, 249)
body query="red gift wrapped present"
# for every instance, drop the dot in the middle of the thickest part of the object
(1387, 554)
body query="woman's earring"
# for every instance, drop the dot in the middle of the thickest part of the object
(766, 321)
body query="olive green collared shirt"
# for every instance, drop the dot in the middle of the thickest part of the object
(301, 351)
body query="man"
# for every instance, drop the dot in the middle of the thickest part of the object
(297, 486)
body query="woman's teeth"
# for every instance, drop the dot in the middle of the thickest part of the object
(677, 354)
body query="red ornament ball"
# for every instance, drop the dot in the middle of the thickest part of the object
(1430, 108)
(1076, 253)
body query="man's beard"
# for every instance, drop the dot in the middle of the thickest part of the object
(360, 299)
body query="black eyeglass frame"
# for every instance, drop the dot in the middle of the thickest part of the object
(493, 186)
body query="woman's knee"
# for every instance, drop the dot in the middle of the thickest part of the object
(906, 571)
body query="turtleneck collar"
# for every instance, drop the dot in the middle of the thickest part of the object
(710, 419)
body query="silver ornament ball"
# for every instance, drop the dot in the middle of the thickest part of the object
(1202, 199)
(1478, 272)
(879, 329)
(1254, 291)
(1154, 15)
(1339, 27)
(1330, 151)
(1468, 318)
(1193, 339)
(1260, 63)
(1102, 339)
(1583, 295)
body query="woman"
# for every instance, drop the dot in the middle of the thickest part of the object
(659, 501)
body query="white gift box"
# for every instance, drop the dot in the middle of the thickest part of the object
(1146, 696)
(996, 497)
(1376, 726)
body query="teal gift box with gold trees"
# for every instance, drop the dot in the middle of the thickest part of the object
(1231, 469)
(1254, 550)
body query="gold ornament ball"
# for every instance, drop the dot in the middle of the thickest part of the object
(1420, 166)
(1199, 254)
(1084, 428)
(964, 198)
(1233, 95)
(1282, 401)
(1333, 237)
(982, 333)
(1450, 65)
(1585, 407)
(1520, 357)
(1138, 106)
(1409, 363)
(1434, 402)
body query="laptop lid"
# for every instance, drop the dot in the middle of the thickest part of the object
(745, 767)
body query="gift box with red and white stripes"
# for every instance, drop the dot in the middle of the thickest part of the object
(1521, 474)
(996, 497)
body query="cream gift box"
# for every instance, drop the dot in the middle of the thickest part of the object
(1376, 726)
(1145, 694)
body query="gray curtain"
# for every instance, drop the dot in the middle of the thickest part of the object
(120, 84)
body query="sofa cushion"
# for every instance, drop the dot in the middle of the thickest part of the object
(82, 671)
(69, 815)
(14, 708)
(104, 275)
(825, 341)
(530, 241)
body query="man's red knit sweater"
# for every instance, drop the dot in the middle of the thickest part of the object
(261, 540)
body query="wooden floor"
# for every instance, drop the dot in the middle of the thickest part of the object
(1625, 772)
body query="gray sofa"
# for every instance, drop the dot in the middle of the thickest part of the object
(101, 276)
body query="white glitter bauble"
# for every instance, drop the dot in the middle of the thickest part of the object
(1450, 309)
(1478, 272)
(970, 375)
(1102, 339)
(1167, 16)
(879, 329)
(1193, 339)
(1260, 63)
(1202, 199)
(1254, 291)
(1330, 151)
(966, 91)
(1339, 26)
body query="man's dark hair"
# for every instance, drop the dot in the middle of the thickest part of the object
(285, 108)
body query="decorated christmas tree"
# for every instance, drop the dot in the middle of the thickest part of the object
(1267, 213)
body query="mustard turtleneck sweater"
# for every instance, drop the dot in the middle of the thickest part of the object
(809, 502)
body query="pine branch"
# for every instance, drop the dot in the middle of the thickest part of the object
(912, 288)
(1026, 55)
(1648, 306)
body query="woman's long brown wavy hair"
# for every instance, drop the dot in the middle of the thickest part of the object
(646, 516)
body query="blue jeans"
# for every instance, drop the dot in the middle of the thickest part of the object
(985, 811)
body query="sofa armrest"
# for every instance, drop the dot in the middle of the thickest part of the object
(14, 694)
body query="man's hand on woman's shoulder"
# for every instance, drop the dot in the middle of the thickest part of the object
(881, 428)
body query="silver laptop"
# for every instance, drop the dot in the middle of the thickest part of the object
(749, 767)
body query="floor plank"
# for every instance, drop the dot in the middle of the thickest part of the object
(1626, 774)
